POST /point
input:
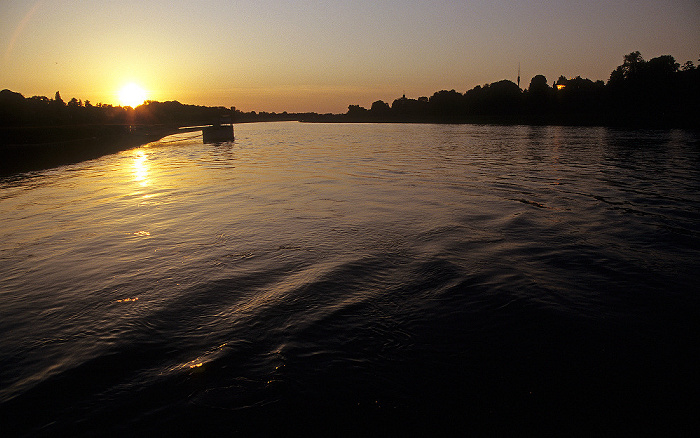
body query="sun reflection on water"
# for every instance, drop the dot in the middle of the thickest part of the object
(141, 168)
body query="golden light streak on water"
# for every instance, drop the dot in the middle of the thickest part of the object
(141, 168)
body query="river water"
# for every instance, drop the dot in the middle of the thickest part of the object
(359, 279)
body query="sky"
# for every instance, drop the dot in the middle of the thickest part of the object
(321, 56)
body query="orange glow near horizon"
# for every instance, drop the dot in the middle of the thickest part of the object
(285, 56)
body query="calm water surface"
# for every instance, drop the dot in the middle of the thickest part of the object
(360, 279)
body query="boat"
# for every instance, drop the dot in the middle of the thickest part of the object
(217, 132)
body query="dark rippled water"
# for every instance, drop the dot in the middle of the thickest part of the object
(363, 280)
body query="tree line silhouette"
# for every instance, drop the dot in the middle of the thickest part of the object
(657, 92)
(16, 110)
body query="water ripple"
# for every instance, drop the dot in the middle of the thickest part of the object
(404, 274)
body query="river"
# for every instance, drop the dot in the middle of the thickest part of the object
(358, 279)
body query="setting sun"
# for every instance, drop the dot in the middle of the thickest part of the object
(131, 95)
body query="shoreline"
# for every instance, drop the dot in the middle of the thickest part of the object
(47, 147)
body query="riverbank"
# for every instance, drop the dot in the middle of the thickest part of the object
(24, 149)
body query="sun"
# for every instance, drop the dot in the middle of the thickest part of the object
(131, 95)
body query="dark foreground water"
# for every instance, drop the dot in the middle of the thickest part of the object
(359, 280)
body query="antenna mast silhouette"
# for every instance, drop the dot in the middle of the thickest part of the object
(518, 75)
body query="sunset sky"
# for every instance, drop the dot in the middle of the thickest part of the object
(322, 56)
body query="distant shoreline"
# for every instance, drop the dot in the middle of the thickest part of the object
(599, 122)
(30, 148)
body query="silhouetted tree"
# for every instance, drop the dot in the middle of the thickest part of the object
(538, 84)
(580, 101)
(631, 65)
(12, 108)
(404, 109)
(503, 98)
(447, 106)
(561, 81)
(357, 113)
(380, 110)
(651, 92)
(57, 99)
(539, 99)
(662, 66)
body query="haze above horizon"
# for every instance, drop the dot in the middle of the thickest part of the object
(309, 56)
